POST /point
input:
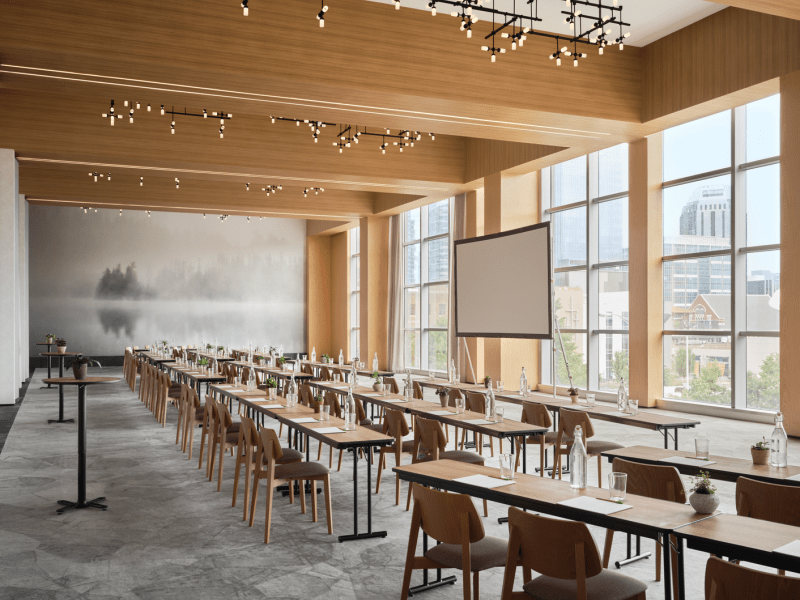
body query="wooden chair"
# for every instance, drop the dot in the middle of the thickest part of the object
(768, 502)
(396, 426)
(306, 395)
(537, 414)
(453, 395)
(476, 402)
(205, 429)
(430, 444)
(568, 420)
(418, 393)
(565, 555)
(246, 452)
(452, 520)
(268, 467)
(309, 370)
(653, 481)
(193, 415)
(729, 581)
(224, 435)
(392, 383)
(324, 373)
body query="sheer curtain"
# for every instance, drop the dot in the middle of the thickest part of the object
(457, 227)
(395, 360)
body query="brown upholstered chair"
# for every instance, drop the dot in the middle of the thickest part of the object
(568, 420)
(452, 520)
(395, 426)
(729, 581)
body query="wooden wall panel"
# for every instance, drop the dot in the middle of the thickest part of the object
(374, 260)
(484, 157)
(724, 53)
(318, 294)
(340, 314)
(789, 9)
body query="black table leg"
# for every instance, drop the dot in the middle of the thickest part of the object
(369, 533)
(61, 418)
(667, 563)
(632, 558)
(81, 503)
(680, 574)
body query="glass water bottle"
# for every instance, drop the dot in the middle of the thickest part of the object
(622, 397)
(314, 354)
(491, 406)
(778, 443)
(375, 363)
(523, 383)
(291, 393)
(341, 357)
(350, 411)
(578, 461)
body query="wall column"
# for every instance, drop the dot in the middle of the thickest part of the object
(510, 201)
(790, 251)
(473, 227)
(318, 295)
(23, 298)
(374, 327)
(10, 325)
(645, 270)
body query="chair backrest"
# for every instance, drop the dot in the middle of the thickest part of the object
(248, 434)
(476, 402)
(418, 395)
(395, 424)
(654, 481)
(452, 395)
(442, 512)
(245, 374)
(361, 414)
(269, 446)
(225, 419)
(392, 383)
(338, 372)
(332, 399)
(768, 501)
(569, 419)
(536, 414)
(730, 581)
(428, 434)
(307, 368)
(325, 373)
(552, 547)
(306, 395)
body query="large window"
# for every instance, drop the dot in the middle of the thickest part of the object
(721, 266)
(355, 292)
(586, 201)
(426, 286)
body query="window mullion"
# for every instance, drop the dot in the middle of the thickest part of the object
(738, 260)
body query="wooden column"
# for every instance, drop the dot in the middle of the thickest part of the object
(790, 251)
(318, 294)
(473, 227)
(510, 201)
(374, 332)
(340, 300)
(644, 264)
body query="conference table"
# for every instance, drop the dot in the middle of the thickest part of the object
(359, 439)
(193, 377)
(648, 517)
(156, 359)
(61, 356)
(344, 368)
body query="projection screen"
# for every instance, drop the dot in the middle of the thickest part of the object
(502, 284)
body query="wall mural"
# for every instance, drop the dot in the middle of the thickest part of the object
(103, 281)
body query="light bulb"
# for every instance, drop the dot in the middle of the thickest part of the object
(397, 4)
(204, 216)
(125, 103)
(246, 11)
(137, 106)
(162, 109)
(433, 11)
(84, 211)
(120, 212)
(112, 120)
(322, 22)
(148, 108)
(247, 185)
(340, 150)
(621, 45)
(493, 60)
(273, 119)
(558, 62)
(315, 140)
(575, 63)
(109, 176)
(469, 33)
(521, 41)
(514, 45)
(601, 50)
(141, 181)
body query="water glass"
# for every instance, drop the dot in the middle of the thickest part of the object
(701, 448)
(498, 414)
(633, 406)
(528, 390)
(335, 378)
(272, 393)
(506, 466)
(500, 385)
(617, 484)
(325, 412)
(304, 357)
(590, 399)
(459, 405)
(431, 375)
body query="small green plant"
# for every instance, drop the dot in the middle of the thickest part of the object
(49, 336)
(203, 362)
(441, 392)
(85, 360)
(487, 379)
(281, 361)
(325, 358)
(220, 348)
(208, 346)
(164, 342)
(376, 376)
(573, 391)
(318, 399)
(273, 349)
(61, 342)
(272, 382)
(702, 484)
(762, 445)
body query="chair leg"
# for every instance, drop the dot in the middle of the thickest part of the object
(319, 452)
(302, 495)
(491, 445)
(542, 451)
(191, 441)
(380, 470)
(203, 436)
(313, 483)
(607, 548)
(328, 509)
(463, 433)
(408, 502)
(268, 521)
(247, 478)
(340, 461)
(253, 502)
(221, 465)
(475, 585)
(330, 459)
(485, 508)
(658, 562)
(599, 471)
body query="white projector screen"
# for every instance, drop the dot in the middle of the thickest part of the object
(503, 285)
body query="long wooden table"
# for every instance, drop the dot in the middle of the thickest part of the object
(739, 538)
(650, 518)
(155, 359)
(360, 438)
(724, 468)
(193, 377)
(507, 429)
(345, 368)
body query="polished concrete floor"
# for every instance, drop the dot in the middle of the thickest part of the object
(169, 534)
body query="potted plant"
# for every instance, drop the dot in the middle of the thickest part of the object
(326, 359)
(703, 498)
(760, 452)
(487, 382)
(272, 387)
(281, 361)
(444, 396)
(203, 364)
(50, 337)
(80, 366)
(573, 395)
(377, 384)
(220, 348)
(209, 347)
(317, 402)
(61, 345)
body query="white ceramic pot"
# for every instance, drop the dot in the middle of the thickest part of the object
(378, 387)
(61, 349)
(705, 504)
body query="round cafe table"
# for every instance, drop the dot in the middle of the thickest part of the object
(49, 363)
(81, 383)
(61, 358)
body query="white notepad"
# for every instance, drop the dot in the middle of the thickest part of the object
(484, 481)
(791, 549)
(371, 394)
(594, 505)
(329, 430)
(272, 406)
(223, 387)
(794, 478)
(440, 412)
(337, 387)
(303, 420)
(691, 462)
(477, 421)
(395, 400)
(237, 390)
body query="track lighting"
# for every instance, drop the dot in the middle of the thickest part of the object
(204, 215)
(172, 128)
(432, 6)
(271, 189)
(205, 114)
(148, 214)
(109, 176)
(177, 184)
(221, 128)
(321, 16)
(120, 212)
(244, 7)
(141, 181)
(316, 191)
(95, 175)
(110, 114)
(247, 186)
(222, 116)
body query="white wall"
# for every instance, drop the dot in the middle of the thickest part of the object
(13, 280)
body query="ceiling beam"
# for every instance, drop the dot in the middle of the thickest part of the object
(789, 9)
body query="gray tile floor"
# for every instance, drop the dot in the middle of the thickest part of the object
(169, 534)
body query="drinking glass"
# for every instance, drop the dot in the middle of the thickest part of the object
(325, 413)
(498, 414)
(431, 375)
(335, 378)
(506, 467)
(617, 484)
(272, 393)
(459, 405)
(590, 399)
(633, 406)
(500, 385)
(305, 357)
(701, 447)
(528, 390)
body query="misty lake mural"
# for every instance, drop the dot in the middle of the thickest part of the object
(119, 280)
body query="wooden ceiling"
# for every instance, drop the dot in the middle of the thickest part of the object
(61, 64)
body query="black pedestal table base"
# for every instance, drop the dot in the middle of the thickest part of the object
(68, 505)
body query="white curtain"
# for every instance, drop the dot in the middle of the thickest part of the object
(396, 359)
(457, 228)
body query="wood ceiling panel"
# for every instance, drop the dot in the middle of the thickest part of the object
(789, 9)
